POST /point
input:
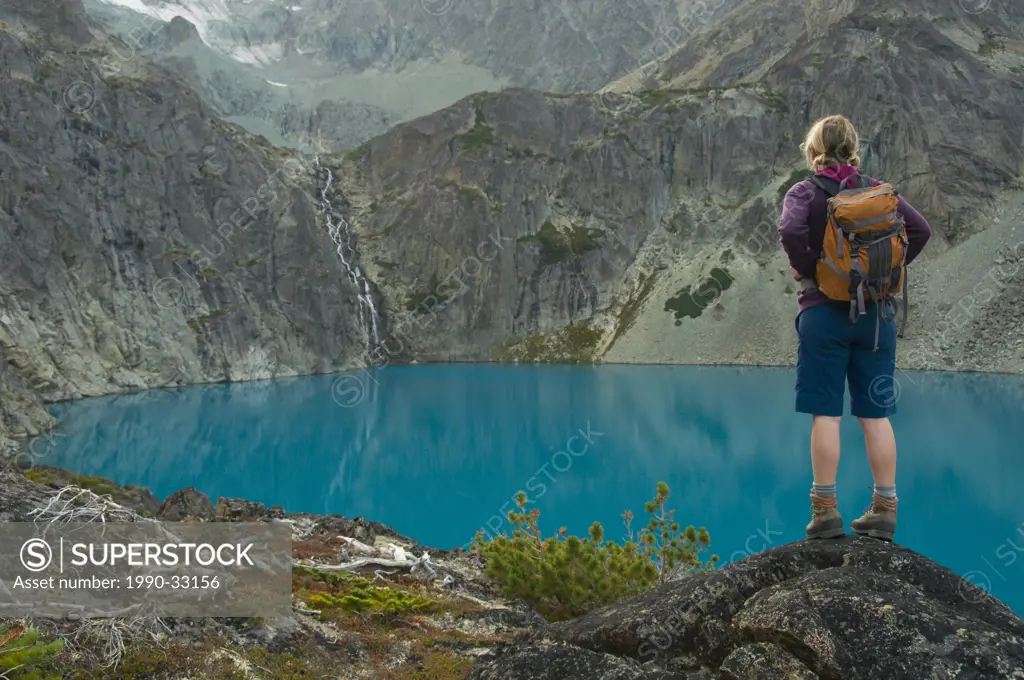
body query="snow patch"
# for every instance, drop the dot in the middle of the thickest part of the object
(205, 15)
(271, 82)
(257, 55)
(200, 13)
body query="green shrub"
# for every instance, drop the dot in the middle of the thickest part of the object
(23, 656)
(480, 136)
(675, 553)
(658, 97)
(438, 291)
(691, 302)
(776, 101)
(560, 246)
(565, 576)
(572, 344)
(991, 47)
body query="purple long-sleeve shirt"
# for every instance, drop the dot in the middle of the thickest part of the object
(802, 229)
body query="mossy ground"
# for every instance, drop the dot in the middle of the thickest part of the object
(573, 345)
(401, 629)
(53, 476)
(339, 592)
(411, 648)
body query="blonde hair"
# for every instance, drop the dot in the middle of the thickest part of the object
(832, 140)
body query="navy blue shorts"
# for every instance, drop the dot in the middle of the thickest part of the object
(833, 351)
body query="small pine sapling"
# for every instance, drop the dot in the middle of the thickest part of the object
(675, 553)
(565, 576)
(23, 656)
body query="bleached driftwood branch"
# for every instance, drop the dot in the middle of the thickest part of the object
(301, 527)
(363, 563)
(74, 504)
(419, 565)
(357, 546)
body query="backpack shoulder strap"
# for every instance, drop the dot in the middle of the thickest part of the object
(827, 184)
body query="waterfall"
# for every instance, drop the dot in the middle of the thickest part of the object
(342, 237)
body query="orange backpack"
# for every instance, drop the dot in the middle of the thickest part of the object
(864, 252)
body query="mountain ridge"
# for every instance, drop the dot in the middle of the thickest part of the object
(399, 60)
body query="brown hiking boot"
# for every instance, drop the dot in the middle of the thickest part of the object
(879, 520)
(827, 522)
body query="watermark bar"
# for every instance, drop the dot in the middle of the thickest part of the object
(95, 570)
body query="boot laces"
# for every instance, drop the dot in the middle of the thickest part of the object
(822, 505)
(883, 503)
(879, 503)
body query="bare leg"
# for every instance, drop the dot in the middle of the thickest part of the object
(881, 445)
(825, 449)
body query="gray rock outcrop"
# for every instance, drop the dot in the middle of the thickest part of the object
(848, 609)
(187, 503)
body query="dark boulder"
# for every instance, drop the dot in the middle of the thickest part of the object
(238, 510)
(849, 609)
(187, 503)
(361, 529)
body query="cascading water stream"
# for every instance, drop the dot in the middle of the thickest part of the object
(342, 237)
(340, 234)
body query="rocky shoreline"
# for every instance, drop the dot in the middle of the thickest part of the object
(848, 609)
(450, 620)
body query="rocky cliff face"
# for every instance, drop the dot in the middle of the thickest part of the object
(145, 242)
(649, 211)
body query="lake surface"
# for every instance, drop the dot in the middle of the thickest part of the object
(438, 451)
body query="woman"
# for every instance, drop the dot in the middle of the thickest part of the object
(833, 349)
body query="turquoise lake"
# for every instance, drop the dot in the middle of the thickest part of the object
(438, 451)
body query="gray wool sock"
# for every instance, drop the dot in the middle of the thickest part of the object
(824, 490)
(886, 491)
